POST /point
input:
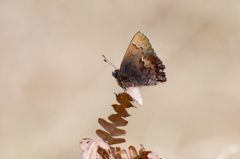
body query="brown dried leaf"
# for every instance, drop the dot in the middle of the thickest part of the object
(118, 132)
(147, 154)
(111, 128)
(118, 156)
(117, 150)
(133, 152)
(118, 120)
(124, 99)
(116, 141)
(108, 138)
(124, 154)
(103, 153)
(118, 153)
(120, 110)
(102, 134)
(106, 125)
(143, 153)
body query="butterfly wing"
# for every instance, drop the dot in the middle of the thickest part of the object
(140, 65)
(138, 46)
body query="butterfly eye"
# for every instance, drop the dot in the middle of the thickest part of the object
(115, 73)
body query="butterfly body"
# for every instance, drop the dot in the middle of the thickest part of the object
(140, 65)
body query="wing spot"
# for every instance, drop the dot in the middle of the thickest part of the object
(135, 45)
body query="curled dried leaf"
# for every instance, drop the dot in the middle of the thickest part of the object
(133, 152)
(152, 155)
(143, 152)
(124, 154)
(90, 147)
(135, 94)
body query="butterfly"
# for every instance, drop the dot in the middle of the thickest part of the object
(140, 67)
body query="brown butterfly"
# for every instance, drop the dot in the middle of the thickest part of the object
(140, 67)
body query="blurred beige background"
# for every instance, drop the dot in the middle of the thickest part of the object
(54, 84)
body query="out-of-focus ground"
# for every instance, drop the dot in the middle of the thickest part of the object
(54, 84)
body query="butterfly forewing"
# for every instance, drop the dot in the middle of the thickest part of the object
(137, 47)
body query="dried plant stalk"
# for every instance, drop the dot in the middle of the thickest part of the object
(116, 120)
(102, 148)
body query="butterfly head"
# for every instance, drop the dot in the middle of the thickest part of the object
(115, 73)
(122, 79)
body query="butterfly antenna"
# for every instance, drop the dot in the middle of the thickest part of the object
(107, 61)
